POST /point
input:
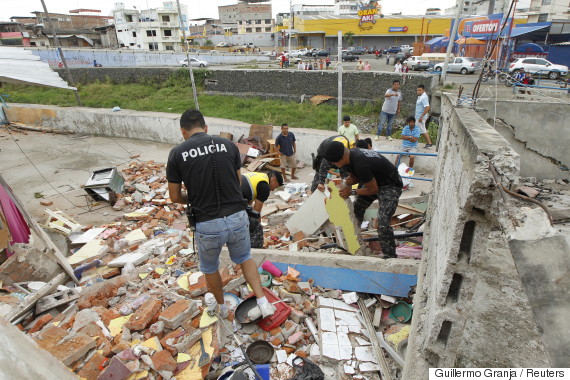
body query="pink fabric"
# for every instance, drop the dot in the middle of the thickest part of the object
(17, 225)
(405, 252)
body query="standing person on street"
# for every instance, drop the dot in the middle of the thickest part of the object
(398, 67)
(405, 68)
(367, 66)
(286, 144)
(349, 130)
(422, 114)
(255, 188)
(390, 108)
(209, 167)
(322, 166)
(360, 65)
(380, 180)
(328, 62)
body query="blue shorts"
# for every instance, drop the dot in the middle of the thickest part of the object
(232, 230)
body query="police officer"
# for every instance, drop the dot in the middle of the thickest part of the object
(322, 165)
(209, 167)
(255, 188)
(381, 181)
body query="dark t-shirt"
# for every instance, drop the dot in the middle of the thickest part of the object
(263, 190)
(366, 164)
(191, 163)
(285, 144)
(324, 145)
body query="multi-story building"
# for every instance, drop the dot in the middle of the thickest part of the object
(249, 18)
(157, 29)
(312, 10)
(548, 10)
(433, 12)
(76, 29)
(12, 34)
(480, 7)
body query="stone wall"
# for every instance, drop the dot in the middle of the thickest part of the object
(357, 86)
(120, 75)
(470, 309)
(535, 130)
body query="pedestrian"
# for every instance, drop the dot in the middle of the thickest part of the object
(367, 66)
(349, 130)
(422, 113)
(255, 188)
(301, 65)
(388, 59)
(360, 65)
(321, 64)
(328, 62)
(282, 60)
(380, 180)
(286, 145)
(410, 137)
(405, 68)
(209, 168)
(398, 67)
(322, 166)
(390, 108)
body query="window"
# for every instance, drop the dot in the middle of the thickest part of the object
(540, 62)
(268, 29)
(529, 61)
(258, 21)
(258, 30)
(132, 44)
(33, 43)
(545, 2)
(166, 18)
(42, 43)
(168, 33)
(248, 30)
(153, 46)
(119, 31)
(129, 18)
(268, 21)
(134, 34)
(169, 47)
(458, 60)
(248, 22)
(151, 33)
(543, 17)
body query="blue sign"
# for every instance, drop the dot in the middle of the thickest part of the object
(398, 29)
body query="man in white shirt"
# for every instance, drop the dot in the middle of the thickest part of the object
(390, 109)
(422, 113)
(398, 67)
(349, 130)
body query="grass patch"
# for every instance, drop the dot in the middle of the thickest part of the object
(175, 95)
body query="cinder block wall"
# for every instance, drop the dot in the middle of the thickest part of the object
(466, 272)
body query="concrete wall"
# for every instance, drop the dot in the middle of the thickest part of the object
(361, 86)
(135, 58)
(536, 131)
(470, 309)
(163, 127)
(123, 75)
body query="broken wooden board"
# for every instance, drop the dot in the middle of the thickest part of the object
(59, 221)
(310, 216)
(30, 301)
(255, 165)
(405, 209)
(92, 250)
(341, 214)
(268, 210)
(87, 236)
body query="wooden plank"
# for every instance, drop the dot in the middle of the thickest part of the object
(30, 301)
(310, 216)
(341, 214)
(386, 373)
(51, 247)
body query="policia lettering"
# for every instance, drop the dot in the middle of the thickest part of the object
(204, 150)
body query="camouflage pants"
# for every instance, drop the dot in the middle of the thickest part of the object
(255, 233)
(388, 197)
(321, 174)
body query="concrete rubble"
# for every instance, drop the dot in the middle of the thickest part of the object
(136, 312)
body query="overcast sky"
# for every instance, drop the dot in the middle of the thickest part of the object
(196, 8)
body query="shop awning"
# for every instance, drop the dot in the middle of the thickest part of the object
(469, 41)
(521, 30)
(18, 65)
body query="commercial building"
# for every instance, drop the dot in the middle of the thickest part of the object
(157, 29)
(369, 29)
(480, 7)
(249, 18)
(548, 10)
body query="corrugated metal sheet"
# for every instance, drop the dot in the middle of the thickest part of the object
(18, 65)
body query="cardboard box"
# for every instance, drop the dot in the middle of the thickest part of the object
(271, 149)
(227, 135)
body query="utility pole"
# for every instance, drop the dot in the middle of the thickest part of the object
(185, 45)
(451, 40)
(339, 68)
(290, 26)
(60, 51)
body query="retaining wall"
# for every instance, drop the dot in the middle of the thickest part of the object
(163, 127)
(470, 309)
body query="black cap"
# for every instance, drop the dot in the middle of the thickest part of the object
(334, 151)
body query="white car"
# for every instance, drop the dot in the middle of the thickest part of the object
(295, 53)
(194, 62)
(223, 44)
(539, 66)
(463, 65)
(417, 63)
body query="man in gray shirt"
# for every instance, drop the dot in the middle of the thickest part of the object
(390, 109)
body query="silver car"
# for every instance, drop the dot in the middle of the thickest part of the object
(194, 62)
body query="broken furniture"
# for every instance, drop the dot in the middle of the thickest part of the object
(104, 184)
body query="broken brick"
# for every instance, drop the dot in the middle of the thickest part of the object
(291, 286)
(90, 370)
(276, 341)
(295, 337)
(116, 370)
(177, 313)
(144, 315)
(40, 323)
(68, 350)
(106, 314)
(171, 338)
(163, 361)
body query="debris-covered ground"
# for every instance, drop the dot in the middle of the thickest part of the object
(136, 313)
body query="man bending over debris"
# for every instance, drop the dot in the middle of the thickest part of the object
(322, 165)
(209, 167)
(381, 181)
(255, 187)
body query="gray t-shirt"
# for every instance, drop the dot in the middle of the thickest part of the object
(391, 104)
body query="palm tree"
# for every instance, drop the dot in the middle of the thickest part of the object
(348, 36)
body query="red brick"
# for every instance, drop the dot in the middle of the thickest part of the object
(276, 341)
(171, 335)
(291, 286)
(163, 361)
(144, 315)
(70, 350)
(106, 314)
(302, 354)
(91, 369)
(40, 323)
(177, 313)
(275, 331)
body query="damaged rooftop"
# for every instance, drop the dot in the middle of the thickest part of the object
(108, 287)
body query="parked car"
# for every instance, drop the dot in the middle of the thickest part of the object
(405, 47)
(194, 62)
(356, 50)
(295, 53)
(303, 51)
(539, 66)
(291, 60)
(223, 44)
(321, 53)
(417, 63)
(463, 65)
(349, 57)
(310, 52)
(392, 50)
(249, 45)
(402, 56)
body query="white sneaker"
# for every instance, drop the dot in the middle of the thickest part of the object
(376, 138)
(390, 138)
